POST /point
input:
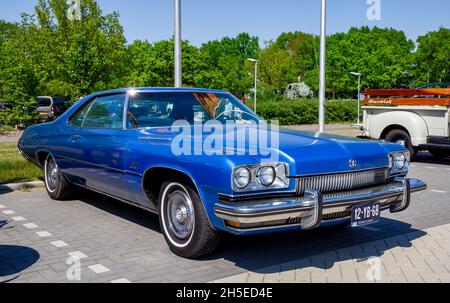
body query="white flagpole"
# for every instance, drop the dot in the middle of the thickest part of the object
(322, 83)
(177, 51)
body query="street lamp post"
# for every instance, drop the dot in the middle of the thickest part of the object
(177, 42)
(322, 82)
(256, 79)
(359, 75)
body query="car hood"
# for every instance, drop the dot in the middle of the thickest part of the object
(318, 153)
(307, 152)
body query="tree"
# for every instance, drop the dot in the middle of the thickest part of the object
(290, 56)
(7, 32)
(432, 58)
(383, 56)
(53, 55)
(80, 56)
(226, 63)
(153, 64)
(276, 65)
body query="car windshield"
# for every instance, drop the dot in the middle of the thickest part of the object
(163, 109)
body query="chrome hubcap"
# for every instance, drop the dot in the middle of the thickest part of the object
(180, 213)
(52, 174)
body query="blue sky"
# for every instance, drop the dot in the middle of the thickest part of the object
(205, 20)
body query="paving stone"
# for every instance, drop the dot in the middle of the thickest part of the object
(129, 242)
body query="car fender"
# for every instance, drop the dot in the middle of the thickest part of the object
(207, 207)
(412, 122)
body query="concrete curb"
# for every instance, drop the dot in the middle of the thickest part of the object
(20, 186)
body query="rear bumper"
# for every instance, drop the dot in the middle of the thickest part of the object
(314, 208)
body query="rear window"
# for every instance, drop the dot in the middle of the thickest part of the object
(44, 102)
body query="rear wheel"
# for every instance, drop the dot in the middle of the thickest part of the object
(401, 137)
(58, 188)
(184, 222)
(440, 153)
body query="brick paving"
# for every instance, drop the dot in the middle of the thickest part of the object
(424, 258)
(114, 242)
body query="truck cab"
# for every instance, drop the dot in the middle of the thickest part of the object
(415, 118)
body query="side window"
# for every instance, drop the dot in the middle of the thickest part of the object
(146, 110)
(103, 112)
(163, 109)
(78, 118)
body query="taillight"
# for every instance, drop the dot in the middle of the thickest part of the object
(53, 109)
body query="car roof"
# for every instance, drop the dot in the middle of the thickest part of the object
(161, 89)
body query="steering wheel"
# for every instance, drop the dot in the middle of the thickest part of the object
(235, 110)
(133, 119)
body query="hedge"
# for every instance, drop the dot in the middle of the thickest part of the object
(297, 112)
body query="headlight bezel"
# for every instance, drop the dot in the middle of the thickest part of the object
(402, 157)
(280, 181)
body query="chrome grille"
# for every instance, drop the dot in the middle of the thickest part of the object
(339, 215)
(344, 181)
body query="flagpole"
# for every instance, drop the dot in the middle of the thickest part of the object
(322, 77)
(177, 41)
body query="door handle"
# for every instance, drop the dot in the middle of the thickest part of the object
(74, 138)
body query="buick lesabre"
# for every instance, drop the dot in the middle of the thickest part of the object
(128, 144)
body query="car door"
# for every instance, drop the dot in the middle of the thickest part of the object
(97, 146)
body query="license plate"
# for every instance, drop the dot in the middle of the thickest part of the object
(365, 214)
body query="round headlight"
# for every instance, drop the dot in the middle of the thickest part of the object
(266, 175)
(241, 177)
(399, 161)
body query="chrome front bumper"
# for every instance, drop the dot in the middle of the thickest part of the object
(310, 210)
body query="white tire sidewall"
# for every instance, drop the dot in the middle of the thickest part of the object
(164, 224)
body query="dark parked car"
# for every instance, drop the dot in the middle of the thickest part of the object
(51, 107)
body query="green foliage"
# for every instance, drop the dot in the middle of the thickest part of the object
(49, 54)
(383, 56)
(433, 58)
(6, 128)
(291, 56)
(226, 63)
(296, 112)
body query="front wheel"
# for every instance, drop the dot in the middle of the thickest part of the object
(58, 188)
(401, 137)
(184, 222)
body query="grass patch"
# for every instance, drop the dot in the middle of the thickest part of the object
(13, 168)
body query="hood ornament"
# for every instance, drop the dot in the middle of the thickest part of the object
(353, 163)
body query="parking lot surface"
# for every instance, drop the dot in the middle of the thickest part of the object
(98, 239)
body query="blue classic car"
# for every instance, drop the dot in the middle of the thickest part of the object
(147, 147)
